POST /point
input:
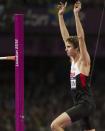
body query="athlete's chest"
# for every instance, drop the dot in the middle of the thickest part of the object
(74, 70)
(73, 75)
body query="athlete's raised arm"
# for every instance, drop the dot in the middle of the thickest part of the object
(80, 33)
(63, 28)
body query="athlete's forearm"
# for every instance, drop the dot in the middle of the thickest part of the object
(80, 34)
(79, 28)
(63, 28)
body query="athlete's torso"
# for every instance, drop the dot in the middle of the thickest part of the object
(80, 85)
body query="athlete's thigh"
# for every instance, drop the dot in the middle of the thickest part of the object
(76, 112)
(63, 120)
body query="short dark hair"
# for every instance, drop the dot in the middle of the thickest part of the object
(74, 41)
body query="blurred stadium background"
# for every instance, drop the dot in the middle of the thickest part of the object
(47, 91)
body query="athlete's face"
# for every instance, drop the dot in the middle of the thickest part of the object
(70, 50)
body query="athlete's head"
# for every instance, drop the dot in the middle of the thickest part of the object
(72, 46)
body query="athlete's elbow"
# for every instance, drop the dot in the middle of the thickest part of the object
(81, 39)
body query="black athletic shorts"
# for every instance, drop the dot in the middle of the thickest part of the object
(83, 112)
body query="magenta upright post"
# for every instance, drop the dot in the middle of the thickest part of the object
(19, 72)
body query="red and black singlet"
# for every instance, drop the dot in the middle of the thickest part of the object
(80, 85)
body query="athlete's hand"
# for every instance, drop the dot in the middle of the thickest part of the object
(77, 7)
(61, 8)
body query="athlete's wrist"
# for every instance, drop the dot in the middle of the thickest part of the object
(60, 14)
(76, 14)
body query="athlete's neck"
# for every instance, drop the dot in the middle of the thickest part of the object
(75, 58)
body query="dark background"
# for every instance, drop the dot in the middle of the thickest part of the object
(47, 91)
